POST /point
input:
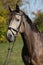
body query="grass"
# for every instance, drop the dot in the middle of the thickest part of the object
(15, 58)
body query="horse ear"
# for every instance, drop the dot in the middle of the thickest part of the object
(17, 8)
(9, 8)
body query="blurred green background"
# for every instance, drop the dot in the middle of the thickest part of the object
(15, 58)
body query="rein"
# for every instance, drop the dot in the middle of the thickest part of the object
(10, 49)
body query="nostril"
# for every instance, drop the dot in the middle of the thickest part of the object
(9, 35)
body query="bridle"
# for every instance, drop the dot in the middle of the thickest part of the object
(10, 28)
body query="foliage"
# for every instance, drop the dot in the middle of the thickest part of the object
(39, 22)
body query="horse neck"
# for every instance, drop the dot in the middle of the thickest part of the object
(27, 36)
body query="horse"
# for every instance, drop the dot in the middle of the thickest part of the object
(32, 51)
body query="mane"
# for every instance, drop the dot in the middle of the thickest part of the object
(33, 26)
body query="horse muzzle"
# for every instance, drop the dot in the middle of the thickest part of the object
(10, 37)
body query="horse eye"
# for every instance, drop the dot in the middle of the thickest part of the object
(17, 19)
